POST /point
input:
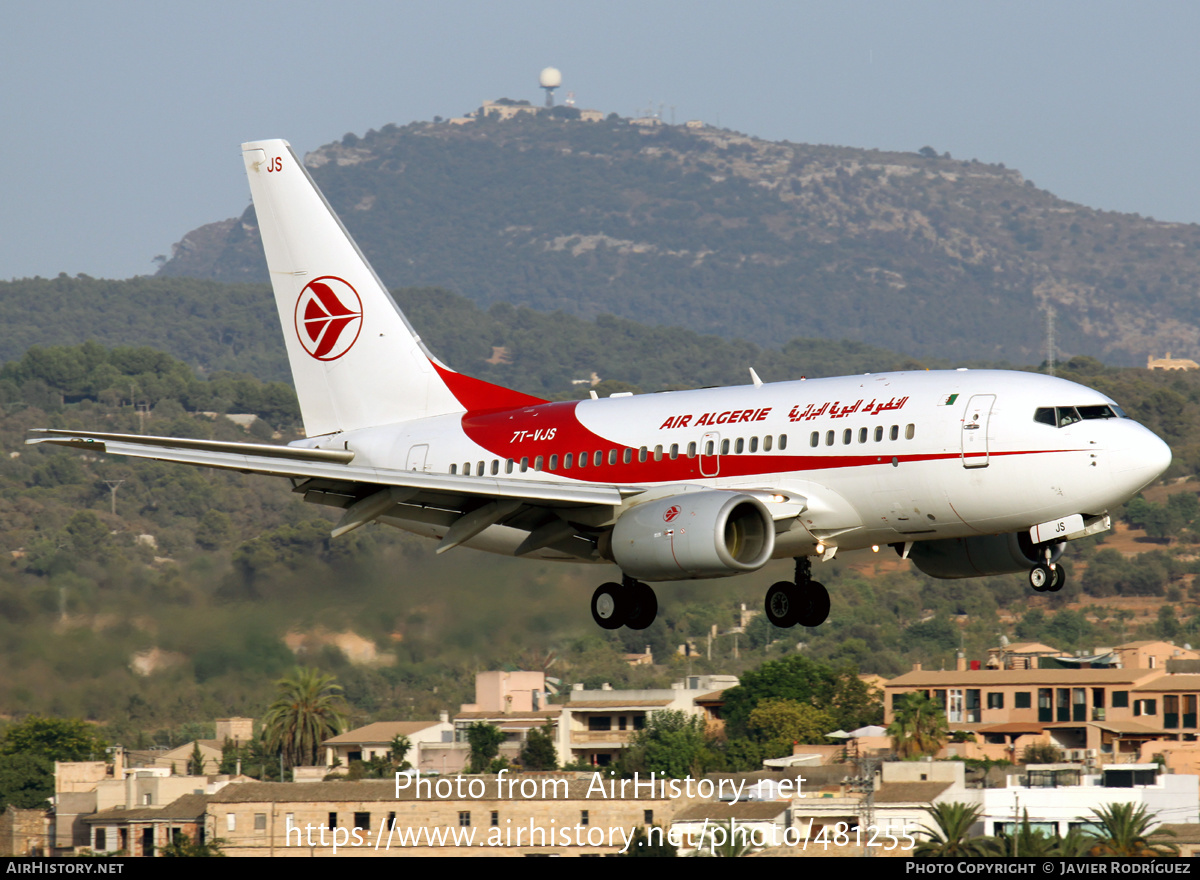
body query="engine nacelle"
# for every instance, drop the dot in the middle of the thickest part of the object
(693, 535)
(980, 556)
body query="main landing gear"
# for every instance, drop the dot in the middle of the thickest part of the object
(630, 603)
(804, 602)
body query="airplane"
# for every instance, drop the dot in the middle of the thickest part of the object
(964, 472)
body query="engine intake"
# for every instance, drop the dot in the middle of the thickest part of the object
(694, 535)
(980, 556)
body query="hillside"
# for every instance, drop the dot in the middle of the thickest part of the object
(722, 233)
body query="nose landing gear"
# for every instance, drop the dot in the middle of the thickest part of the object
(804, 602)
(630, 603)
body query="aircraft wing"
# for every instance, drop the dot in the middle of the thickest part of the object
(328, 467)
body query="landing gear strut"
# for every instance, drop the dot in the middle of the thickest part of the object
(804, 602)
(630, 603)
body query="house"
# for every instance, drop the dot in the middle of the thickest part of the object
(143, 831)
(1152, 654)
(520, 815)
(375, 741)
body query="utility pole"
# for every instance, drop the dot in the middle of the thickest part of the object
(865, 782)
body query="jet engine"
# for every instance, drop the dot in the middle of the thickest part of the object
(980, 556)
(693, 535)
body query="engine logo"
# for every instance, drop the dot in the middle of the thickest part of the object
(671, 513)
(328, 317)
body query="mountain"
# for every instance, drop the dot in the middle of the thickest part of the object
(728, 234)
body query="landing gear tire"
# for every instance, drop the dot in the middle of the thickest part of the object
(643, 606)
(1060, 578)
(1041, 577)
(610, 605)
(814, 605)
(783, 600)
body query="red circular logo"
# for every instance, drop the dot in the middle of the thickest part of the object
(671, 513)
(328, 317)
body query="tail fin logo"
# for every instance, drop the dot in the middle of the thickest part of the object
(328, 317)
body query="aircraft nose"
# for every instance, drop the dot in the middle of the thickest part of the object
(1141, 461)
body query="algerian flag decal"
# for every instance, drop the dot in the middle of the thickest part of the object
(949, 400)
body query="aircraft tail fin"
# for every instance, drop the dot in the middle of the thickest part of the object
(355, 359)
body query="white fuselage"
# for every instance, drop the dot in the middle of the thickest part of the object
(872, 459)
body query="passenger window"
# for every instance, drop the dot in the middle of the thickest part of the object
(708, 448)
(598, 458)
(724, 447)
(612, 456)
(453, 469)
(895, 432)
(554, 462)
(767, 443)
(674, 451)
(495, 466)
(739, 446)
(524, 464)
(508, 466)
(847, 436)
(829, 438)
(643, 452)
(537, 463)
(910, 431)
(658, 453)
(628, 456)
(862, 435)
(479, 469)
(754, 444)
(878, 433)
(691, 453)
(583, 459)
(567, 459)
(783, 441)
(815, 439)
(466, 468)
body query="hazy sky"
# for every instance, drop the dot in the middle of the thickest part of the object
(123, 119)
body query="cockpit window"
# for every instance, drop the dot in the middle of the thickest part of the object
(1061, 416)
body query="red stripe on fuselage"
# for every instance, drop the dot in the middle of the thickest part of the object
(555, 429)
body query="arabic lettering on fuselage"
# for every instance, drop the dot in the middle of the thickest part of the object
(835, 410)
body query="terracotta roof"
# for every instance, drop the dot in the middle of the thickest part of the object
(368, 790)
(1018, 677)
(1027, 648)
(189, 807)
(743, 811)
(618, 704)
(1012, 727)
(1131, 728)
(1171, 683)
(541, 714)
(714, 697)
(909, 792)
(382, 732)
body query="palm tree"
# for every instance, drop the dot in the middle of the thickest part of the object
(951, 836)
(919, 726)
(1024, 841)
(307, 710)
(1123, 832)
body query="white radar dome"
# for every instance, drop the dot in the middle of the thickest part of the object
(550, 78)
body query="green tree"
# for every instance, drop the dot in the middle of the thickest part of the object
(778, 724)
(671, 744)
(1026, 842)
(539, 753)
(182, 847)
(646, 844)
(1125, 830)
(951, 832)
(485, 740)
(307, 710)
(919, 726)
(398, 753)
(727, 841)
(57, 739)
(26, 781)
(195, 766)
